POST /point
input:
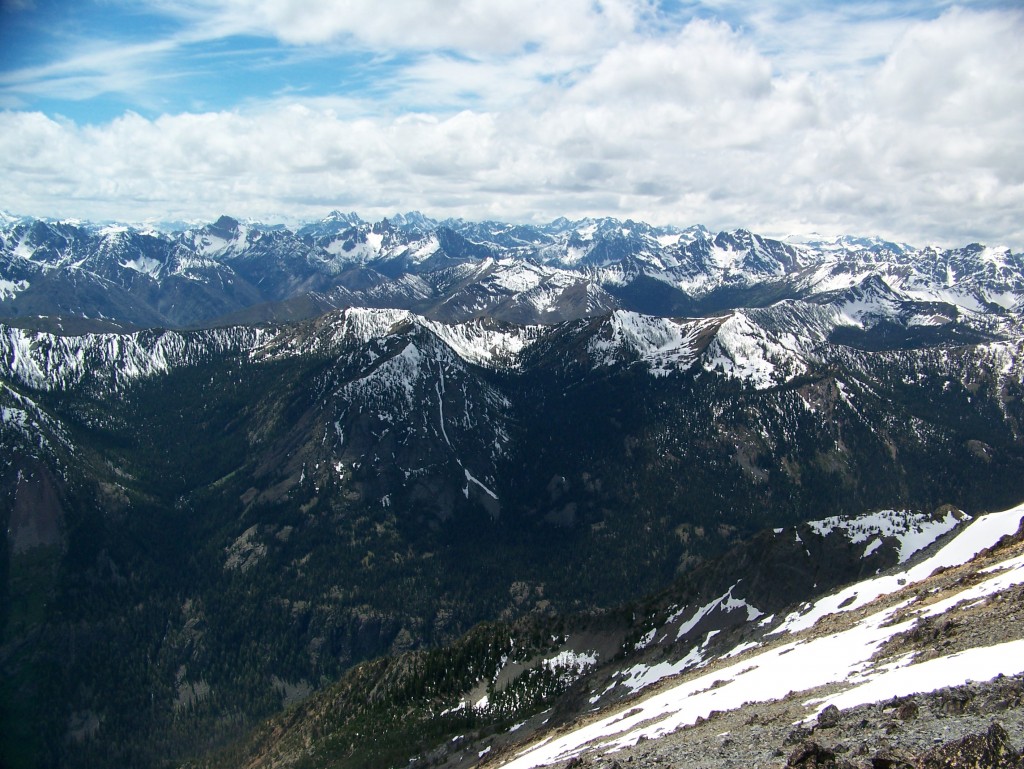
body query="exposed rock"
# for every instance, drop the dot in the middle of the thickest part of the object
(797, 735)
(908, 711)
(811, 755)
(888, 760)
(829, 717)
(991, 750)
(954, 703)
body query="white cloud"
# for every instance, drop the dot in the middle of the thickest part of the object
(702, 124)
(704, 62)
(468, 26)
(959, 69)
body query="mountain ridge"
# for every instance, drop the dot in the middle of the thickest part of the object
(196, 276)
(630, 664)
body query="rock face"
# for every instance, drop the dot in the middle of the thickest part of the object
(811, 755)
(829, 717)
(991, 750)
(988, 750)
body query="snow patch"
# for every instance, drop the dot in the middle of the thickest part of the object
(726, 603)
(980, 534)
(471, 479)
(9, 289)
(577, 662)
(744, 350)
(665, 345)
(145, 265)
(914, 531)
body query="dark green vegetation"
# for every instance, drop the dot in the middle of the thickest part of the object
(386, 711)
(248, 525)
(425, 708)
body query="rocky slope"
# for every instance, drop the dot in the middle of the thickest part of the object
(948, 620)
(917, 665)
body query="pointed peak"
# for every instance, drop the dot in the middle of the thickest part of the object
(225, 223)
(337, 216)
(413, 220)
(875, 285)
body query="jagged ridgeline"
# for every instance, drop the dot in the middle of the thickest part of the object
(204, 525)
(84, 277)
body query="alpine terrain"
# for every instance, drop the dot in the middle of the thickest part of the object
(422, 493)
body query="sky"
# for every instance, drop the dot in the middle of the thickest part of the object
(902, 119)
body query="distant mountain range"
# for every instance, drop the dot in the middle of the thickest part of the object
(230, 272)
(237, 460)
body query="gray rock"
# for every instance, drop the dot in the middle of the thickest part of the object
(829, 717)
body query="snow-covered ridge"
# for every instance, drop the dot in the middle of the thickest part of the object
(514, 275)
(913, 530)
(664, 344)
(479, 342)
(363, 324)
(843, 658)
(746, 350)
(533, 266)
(771, 346)
(46, 361)
(484, 344)
(740, 345)
(763, 348)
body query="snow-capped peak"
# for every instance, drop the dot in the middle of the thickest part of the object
(664, 344)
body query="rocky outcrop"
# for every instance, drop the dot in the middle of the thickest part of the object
(991, 750)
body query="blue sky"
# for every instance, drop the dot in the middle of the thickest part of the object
(902, 119)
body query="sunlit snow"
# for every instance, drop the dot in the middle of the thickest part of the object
(913, 531)
(9, 289)
(664, 344)
(746, 351)
(844, 656)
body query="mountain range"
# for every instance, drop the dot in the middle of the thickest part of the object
(238, 462)
(452, 271)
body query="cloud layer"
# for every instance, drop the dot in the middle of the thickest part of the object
(527, 111)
